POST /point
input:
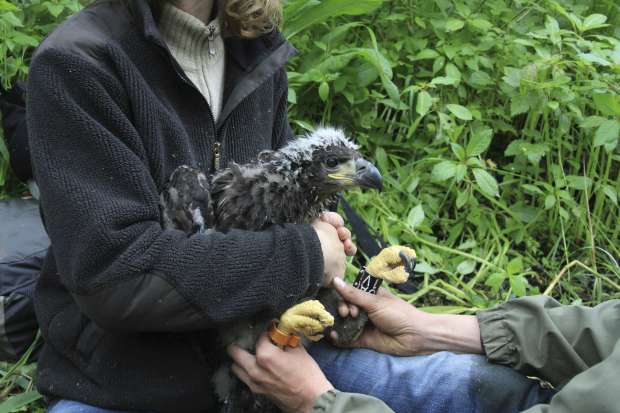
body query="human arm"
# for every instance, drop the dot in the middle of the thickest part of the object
(100, 200)
(293, 380)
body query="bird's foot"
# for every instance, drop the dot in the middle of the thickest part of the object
(393, 264)
(308, 319)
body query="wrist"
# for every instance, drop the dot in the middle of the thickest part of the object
(449, 332)
(314, 392)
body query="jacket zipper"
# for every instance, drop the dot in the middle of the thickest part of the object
(216, 155)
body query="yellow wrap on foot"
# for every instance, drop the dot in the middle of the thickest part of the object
(389, 266)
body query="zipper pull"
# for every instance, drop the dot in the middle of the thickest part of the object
(210, 38)
(216, 156)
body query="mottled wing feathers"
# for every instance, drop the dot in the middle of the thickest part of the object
(186, 201)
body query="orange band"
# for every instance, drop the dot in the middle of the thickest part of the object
(280, 338)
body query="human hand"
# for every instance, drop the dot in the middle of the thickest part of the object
(290, 377)
(334, 258)
(399, 328)
(344, 234)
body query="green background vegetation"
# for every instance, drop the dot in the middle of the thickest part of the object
(495, 124)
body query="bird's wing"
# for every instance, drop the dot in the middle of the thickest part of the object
(186, 201)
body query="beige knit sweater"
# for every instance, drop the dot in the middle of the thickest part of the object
(199, 50)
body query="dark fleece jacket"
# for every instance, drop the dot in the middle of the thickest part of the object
(126, 308)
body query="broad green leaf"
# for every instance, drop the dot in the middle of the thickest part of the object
(423, 103)
(55, 9)
(382, 159)
(515, 266)
(481, 24)
(416, 216)
(5, 5)
(324, 91)
(325, 10)
(480, 79)
(461, 199)
(479, 142)
(607, 135)
(445, 80)
(607, 103)
(611, 193)
(19, 401)
(443, 171)
(466, 267)
(460, 112)
(519, 285)
(486, 182)
(550, 201)
(460, 172)
(578, 182)
(453, 25)
(594, 21)
(495, 281)
(11, 19)
(518, 105)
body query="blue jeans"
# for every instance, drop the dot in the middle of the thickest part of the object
(440, 383)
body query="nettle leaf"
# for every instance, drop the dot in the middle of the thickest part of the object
(445, 81)
(513, 76)
(460, 112)
(479, 142)
(5, 5)
(461, 171)
(486, 182)
(461, 199)
(481, 24)
(443, 171)
(324, 91)
(480, 79)
(453, 25)
(611, 193)
(607, 135)
(466, 267)
(518, 105)
(415, 217)
(533, 151)
(607, 103)
(382, 160)
(594, 21)
(580, 183)
(550, 202)
(592, 122)
(515, 266)
(518, 284)
(423, 103)
(453, 72)
(495, 281)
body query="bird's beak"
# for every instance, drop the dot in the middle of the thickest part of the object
(367, 175)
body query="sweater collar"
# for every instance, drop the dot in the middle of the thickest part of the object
(247, 53)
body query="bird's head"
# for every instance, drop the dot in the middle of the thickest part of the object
(329, 162)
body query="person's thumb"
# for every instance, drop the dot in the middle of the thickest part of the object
(352, 295)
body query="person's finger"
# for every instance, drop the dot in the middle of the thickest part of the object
(245, 377)
(343, 233)
(242, 357)
(332, 218)
(343, 309)
(352, 295)
(354, 311)
(350, 249)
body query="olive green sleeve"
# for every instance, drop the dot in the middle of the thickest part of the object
(595, 390)
(334, 401)
(540, 337)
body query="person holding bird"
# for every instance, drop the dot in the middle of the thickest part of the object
(119, 97)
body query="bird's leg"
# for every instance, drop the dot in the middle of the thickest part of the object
(307, 319)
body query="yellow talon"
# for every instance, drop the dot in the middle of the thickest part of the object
(388, 264)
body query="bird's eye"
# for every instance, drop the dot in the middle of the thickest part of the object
(331, 162)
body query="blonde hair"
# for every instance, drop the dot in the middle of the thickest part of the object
(250, 18)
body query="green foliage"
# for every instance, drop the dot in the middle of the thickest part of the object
(496, 127)
(23, 24)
